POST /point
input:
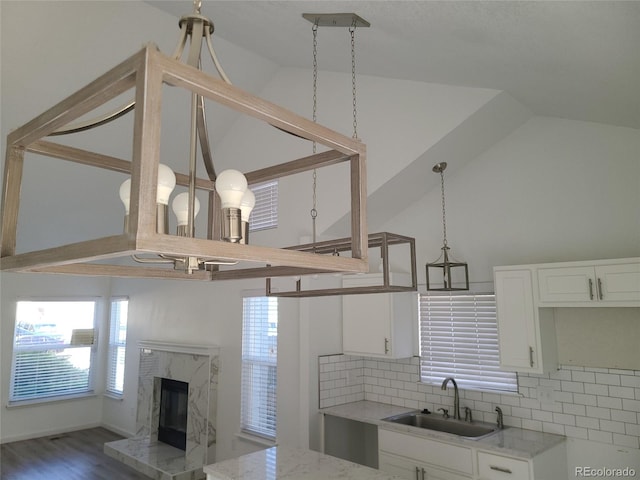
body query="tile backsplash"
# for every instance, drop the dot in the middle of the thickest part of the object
(597, 404)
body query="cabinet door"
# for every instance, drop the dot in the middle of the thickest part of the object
(567, 284)
(366, 324)
(518, 335)
(432, 473)
(590, 285)
(618, 283)
(399, 466)
(425, 452)
(414, 470)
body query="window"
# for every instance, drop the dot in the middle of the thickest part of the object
(259, 366)
(459, 339)
(265, 213)
(52, 349)
(117, 345)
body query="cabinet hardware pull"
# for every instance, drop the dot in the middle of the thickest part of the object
(386, 345)
(423, 474)
(417, 473)
(500, 469)
(600, 296)
(590, 289)
(531, 356)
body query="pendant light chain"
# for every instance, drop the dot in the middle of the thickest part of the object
(444, 222)
(314, 211)
(352, 31)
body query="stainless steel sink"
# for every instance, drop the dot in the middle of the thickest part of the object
(473, 430)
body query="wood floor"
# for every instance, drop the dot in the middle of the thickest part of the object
(69, 456)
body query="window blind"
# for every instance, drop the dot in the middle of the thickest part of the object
(45, 363)
(118, 315)
(259, 366)
(265, 212)
(459, 338)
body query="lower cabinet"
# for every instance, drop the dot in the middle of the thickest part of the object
(418, 458)
(414, 470)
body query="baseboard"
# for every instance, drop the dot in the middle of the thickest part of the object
(48, 433)
(119, 431)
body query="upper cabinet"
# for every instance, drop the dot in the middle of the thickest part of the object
(605, 283)
(378, 324)
(526, 335)
(526, 332)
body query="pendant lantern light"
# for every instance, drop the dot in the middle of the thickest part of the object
(445, 268)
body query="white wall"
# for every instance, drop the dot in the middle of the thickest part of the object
(186, 312)
(552, 190)
(17, 423)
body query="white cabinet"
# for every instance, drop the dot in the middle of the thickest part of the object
(412, 469)
(526, 330)
(598, 284)
(378, 324)
(526, 334)
(497, 467)
(548, 465)
(419, 458)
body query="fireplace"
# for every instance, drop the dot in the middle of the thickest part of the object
(196, 367)
(172, 422)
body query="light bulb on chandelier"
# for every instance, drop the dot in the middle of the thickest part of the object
(166, 184)
(231, 185)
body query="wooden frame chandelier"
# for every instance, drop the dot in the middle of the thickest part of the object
(145, 73)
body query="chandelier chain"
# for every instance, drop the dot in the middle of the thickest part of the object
(314, 210)
(444, 222)
(352, 31)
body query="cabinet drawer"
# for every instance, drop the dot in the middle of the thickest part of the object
(425, 450)
(495, 467)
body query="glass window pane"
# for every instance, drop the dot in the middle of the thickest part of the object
(259, 366)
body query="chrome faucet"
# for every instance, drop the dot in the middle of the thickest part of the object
(456, 398)
(500, 421)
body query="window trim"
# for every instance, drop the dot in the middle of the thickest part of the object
(480, 336)
(93, 365)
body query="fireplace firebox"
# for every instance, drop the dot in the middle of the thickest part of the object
(172, 425)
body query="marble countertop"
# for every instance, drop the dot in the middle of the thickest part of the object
(283, 463)
(510, 441)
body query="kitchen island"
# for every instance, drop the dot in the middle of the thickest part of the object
(283, 463)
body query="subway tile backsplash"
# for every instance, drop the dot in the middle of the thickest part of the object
(598, 404)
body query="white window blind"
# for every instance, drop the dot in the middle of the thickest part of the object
(259, 366)
(265, 213)
(46, 362)
(459, 339)
(117, 345)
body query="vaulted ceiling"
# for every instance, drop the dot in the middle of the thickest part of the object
(570, 59)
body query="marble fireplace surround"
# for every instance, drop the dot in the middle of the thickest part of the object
(196, 365)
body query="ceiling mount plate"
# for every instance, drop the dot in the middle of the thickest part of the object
(336, 19)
